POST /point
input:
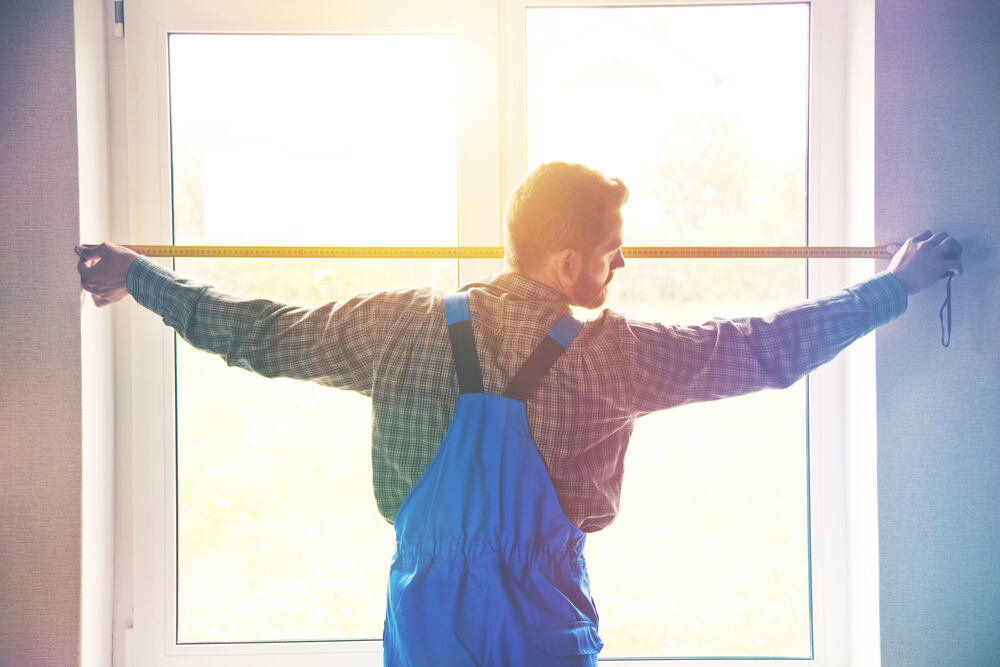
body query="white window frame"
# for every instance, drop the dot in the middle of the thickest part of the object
(489, 38)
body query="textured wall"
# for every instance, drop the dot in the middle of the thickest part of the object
(937, 166)
(39, 337)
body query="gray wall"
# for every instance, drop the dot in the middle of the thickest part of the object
(937, 166)
(40, 417)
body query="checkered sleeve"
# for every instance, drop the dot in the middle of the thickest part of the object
(331, 344)
(673, 365)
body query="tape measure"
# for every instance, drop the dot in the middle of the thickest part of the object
(494, 252)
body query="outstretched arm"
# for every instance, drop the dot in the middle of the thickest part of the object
(672, 365)
(332, 344)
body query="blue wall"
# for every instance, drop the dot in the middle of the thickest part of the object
(937, 166)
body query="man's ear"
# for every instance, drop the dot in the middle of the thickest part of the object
(569, 264)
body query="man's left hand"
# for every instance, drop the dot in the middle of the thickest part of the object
(102, 271)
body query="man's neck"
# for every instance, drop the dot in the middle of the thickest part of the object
(541, 277)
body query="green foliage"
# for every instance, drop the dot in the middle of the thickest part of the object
(711, 190)
(309, 282)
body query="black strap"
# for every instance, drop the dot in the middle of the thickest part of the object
(946, 306)
(463, 350)
(538, 364)
(463, 343)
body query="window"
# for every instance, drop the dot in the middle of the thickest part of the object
(703, 111)
(296, 139)
(309, 115)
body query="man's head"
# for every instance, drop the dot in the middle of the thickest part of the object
(564, 228)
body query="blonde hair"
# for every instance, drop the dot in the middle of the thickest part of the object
(559, 205)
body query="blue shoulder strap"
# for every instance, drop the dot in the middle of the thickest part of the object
(463, 343)
(538, 364)
(463, 349)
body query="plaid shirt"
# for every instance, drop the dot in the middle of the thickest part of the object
(393, 346)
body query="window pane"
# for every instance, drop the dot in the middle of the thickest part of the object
(296, 140)
(300, 139)
(703, 111)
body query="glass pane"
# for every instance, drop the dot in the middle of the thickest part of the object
(703, 112)
(300, 139)
(296, 140)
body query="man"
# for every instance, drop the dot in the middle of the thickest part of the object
(500, 422)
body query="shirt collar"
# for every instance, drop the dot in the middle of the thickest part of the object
(520, 286)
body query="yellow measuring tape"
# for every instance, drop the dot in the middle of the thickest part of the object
(495, 252)
(492, 252)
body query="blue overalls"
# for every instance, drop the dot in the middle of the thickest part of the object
(488, 570)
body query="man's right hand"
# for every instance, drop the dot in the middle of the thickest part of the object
(102, 271)
(924, 259)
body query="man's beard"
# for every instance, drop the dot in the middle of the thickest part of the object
(591, 295)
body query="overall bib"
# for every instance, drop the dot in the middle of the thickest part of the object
(488, 570)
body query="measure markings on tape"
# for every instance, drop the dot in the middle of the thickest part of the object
(495, 252)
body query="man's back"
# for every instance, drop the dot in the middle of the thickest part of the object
(580, 415)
